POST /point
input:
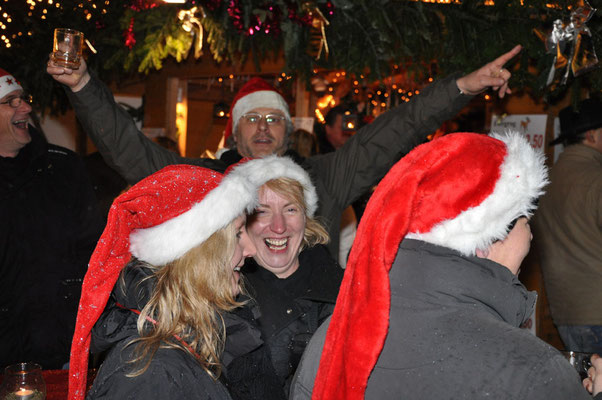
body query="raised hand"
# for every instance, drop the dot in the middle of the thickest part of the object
(492, 75)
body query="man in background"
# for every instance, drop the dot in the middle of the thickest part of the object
(568, 227)
(49, 225)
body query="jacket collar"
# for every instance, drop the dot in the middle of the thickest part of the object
(435, 275)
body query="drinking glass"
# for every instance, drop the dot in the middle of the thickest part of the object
(580, 361)
(23, 381)
(68, 46)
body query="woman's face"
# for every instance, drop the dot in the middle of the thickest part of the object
(244, 248)
(511, 251)
(277, 229)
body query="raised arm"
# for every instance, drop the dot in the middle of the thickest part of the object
(113, 130)
(367, 156)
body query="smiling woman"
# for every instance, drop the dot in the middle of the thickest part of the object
(292, 276)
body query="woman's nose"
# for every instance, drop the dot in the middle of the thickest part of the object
(277, 224)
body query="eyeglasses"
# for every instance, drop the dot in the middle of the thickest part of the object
(270, 119)
(15, 102)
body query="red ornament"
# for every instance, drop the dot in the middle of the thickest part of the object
(128, 35)
(211, 4)
(235, 14)
(139, 5)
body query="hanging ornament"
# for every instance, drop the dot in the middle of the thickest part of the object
(128, 35)
(583, 55)
(318, 32)
(235, 14)
(139, 5)
(192, 24)
(571, 46)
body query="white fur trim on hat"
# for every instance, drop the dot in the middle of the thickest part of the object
(8, 83)
(173, 238)
(262, 170)
(523, 176)
(236, 193)
(259, 99)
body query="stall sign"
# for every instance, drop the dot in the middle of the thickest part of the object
(533, 126)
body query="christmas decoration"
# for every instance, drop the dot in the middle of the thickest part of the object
(318, 33)
(571, 46)
(360, 37)
(191, 24)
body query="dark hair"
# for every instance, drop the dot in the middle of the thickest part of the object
(331, 116)
(575, 121)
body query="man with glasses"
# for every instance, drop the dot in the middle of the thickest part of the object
(49, 225)
(340, 177)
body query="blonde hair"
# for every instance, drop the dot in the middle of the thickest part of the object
(187, 300)
(315, 233)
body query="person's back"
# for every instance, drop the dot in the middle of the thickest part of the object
(430, 305)
(456, 322)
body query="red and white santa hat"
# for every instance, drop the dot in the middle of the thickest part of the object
(157, 221)
(8, 83)
(256, 93)
(460, 191)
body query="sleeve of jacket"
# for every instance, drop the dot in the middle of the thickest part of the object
(117, 138)
(367, 156)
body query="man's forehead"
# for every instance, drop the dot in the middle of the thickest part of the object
(14, 93)
(266, 110)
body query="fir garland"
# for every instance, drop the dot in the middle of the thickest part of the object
(363, 36)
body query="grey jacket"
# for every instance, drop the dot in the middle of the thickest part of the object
(340, 177)
(453, 334)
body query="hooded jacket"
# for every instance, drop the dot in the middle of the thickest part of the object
(49, 225)
(454, 334)
(340, 177)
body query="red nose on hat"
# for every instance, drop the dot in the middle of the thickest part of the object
(256, 93)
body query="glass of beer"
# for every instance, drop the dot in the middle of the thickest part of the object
(67, 49)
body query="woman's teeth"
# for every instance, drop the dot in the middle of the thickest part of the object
(276, 244)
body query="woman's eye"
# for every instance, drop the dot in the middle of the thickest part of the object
(238, 234)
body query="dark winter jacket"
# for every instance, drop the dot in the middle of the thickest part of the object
(49, 225)
(454, 334)
(340, 177)
(172, 373)
(294, 307)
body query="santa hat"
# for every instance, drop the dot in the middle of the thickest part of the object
(460, 191)
(256, 93)
(158, 220)
(8, 83)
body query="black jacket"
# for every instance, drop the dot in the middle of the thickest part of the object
(294, 307)
(49, 225)
(172, 373)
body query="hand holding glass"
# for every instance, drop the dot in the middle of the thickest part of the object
(67, 49)
(580, 361)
